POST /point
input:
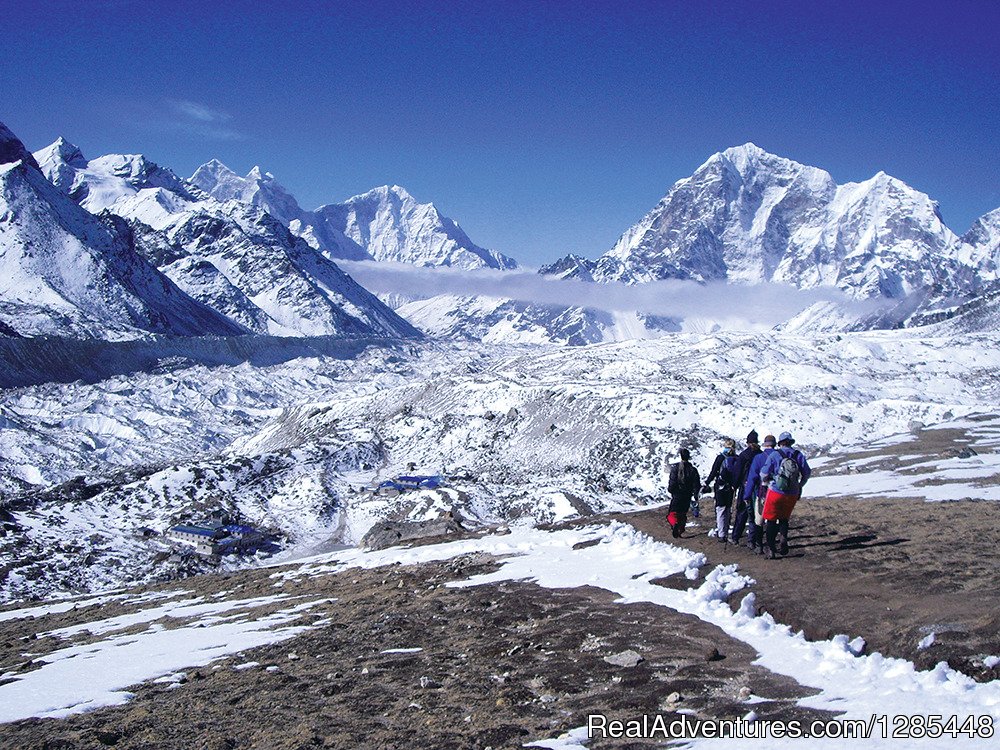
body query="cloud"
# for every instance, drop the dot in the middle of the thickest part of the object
(201, 120)
(199, 112)
(738, 305)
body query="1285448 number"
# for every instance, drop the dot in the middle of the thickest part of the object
(918, 726)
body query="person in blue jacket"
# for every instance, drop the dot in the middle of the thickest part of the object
(753, 496)
(785, 472)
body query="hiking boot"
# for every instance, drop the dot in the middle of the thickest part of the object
(783, 548)
(769, 554)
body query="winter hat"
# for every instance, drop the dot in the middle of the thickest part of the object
(769, 441)
(752, 437)
(685, 454)
(786, 437)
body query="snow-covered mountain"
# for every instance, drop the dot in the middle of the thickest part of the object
(748, 216)
(384, 224)
(66, 272)
(99, 183)
(392, 226)
(501, 320)
(233, 256)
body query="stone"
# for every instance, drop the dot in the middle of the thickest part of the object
(627, 658)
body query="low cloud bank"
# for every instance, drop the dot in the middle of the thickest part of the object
(759, 304)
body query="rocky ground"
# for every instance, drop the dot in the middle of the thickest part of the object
(501, 665)
(505, 664)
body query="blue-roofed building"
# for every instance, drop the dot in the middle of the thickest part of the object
(194, 533)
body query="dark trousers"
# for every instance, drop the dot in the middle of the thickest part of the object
(743, 514)
(755, 534)
(776, 535)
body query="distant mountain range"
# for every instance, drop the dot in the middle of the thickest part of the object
(194, 266)
(384, 224)
(118, 246)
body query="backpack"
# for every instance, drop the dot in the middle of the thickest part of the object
(788, 481)
(728, 473)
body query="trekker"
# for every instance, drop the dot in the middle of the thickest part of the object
(753, 497)
(743, 461)
(724, 475)
(682, 486)
(786, 471)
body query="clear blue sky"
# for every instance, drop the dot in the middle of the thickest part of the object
(543, 128)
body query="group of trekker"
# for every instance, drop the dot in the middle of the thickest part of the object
(763, 484)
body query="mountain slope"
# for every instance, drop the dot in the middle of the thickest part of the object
(980, 246)
(68, 273)
(263, 191)
(392, 226)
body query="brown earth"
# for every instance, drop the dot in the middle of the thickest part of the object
(501, 665)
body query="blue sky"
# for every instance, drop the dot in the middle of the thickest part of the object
(543, 128)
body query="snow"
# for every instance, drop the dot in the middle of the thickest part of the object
(574, 739)
(289, 446)
(74, 604)
(92, 675)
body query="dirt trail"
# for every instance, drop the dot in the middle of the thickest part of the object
(891, 571)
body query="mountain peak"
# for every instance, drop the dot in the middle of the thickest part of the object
(749, 216)
(748, 149)
(64, 151)
(215, 166)
(395, 190)
(258, 188)
(749, 156)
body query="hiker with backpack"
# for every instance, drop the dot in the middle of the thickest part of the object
(724, 475)
(743, 462)
(754, 492)
(683, 488)
(785, 472)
